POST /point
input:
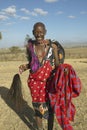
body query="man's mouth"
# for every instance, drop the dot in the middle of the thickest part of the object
(39, 38)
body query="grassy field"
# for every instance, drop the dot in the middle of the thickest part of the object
(9, 63)
(74, 52)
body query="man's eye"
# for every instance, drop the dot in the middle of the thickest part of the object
(36, 33)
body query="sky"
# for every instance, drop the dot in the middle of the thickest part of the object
(65, 20)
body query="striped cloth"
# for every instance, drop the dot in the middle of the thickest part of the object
(64, 86)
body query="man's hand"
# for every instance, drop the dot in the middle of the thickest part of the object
(23, 68)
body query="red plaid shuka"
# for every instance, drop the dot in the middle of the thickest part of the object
(64, 86)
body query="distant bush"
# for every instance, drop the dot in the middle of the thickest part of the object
(14, 53)
(15, 49)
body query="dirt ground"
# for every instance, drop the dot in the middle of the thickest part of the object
(11, 120)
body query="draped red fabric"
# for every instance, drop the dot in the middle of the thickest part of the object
(37, 83)
(64, 86)
(60, 87)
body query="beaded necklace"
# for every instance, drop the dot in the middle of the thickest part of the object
(37, 52)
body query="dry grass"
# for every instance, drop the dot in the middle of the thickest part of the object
(11, 120)
(76, 52)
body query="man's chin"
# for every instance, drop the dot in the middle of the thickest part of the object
(40, 41)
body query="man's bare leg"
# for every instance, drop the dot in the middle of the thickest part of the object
(50, 121)
(39, 123)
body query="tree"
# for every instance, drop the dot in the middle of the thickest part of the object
(27, 38)
(0, 35)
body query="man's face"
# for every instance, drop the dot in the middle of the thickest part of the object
(39, 33)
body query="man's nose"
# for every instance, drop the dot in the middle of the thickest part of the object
(38, 34)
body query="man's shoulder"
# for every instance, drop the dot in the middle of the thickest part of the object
(60, 48)
(31, 41)
(57, 43)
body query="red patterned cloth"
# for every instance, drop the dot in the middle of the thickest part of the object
(64, 86)
(37, 83)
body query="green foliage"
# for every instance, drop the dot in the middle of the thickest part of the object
(27, 37)
(0, 35)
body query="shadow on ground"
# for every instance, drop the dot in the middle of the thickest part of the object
(26, 114)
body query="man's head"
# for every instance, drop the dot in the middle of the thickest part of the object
(39, 31)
